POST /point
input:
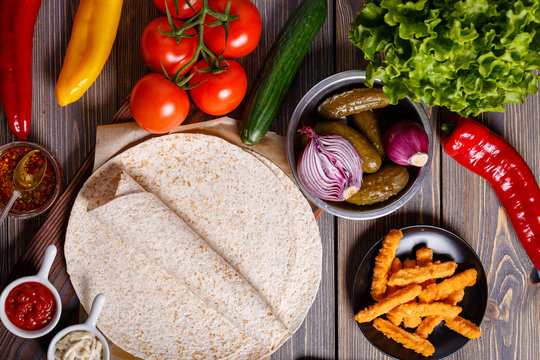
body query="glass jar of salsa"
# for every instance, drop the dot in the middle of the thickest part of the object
(38, 200)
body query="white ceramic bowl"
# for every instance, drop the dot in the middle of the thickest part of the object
(89, 325)
(42, 278)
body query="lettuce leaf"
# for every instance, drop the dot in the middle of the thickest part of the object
(470, 56)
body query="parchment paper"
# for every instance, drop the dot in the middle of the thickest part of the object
(114, 139)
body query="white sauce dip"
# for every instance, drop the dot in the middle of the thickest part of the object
(79, 345)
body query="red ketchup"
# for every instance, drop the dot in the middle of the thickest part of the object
(30, 306)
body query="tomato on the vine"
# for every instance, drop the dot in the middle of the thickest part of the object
(184, 10)
(157, 104)
(244, 32)
(218, 94)
(157, 48)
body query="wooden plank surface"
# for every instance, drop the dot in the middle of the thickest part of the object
(355, 238)
(471, 208)
(454, 198)
(451, 196)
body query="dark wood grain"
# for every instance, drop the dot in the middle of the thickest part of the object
(462, 202)
(356, 237)
(316, 337)
(451, 196)
(52, 231)
(471, 208)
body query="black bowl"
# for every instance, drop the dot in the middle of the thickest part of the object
(446, 246)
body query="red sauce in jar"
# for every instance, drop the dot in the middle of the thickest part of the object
(29, 200)
(30, 306)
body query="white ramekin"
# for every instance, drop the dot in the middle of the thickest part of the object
(89, 325)
(42, 278)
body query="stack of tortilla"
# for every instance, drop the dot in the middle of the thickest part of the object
(203, 250)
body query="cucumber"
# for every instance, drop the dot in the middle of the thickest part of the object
(279, 69)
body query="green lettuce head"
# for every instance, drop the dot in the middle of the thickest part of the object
(470, 56)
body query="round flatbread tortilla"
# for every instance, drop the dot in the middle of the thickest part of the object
(248, 214)
(307, 267)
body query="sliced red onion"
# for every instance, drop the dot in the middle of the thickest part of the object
(330, 167)
(406, 143)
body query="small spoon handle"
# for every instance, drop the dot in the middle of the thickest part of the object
(14, 197)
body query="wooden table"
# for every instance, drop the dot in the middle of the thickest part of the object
(450, 197)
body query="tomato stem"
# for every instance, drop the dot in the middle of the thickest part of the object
(215, 62)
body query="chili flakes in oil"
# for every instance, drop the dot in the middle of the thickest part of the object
(29, 200)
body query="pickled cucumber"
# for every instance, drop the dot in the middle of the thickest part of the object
(352, 102)
(385, 183)
(367, 123)
(371, 158)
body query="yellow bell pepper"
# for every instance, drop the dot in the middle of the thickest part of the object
(92, 38)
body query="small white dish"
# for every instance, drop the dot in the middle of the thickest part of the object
(42, 278)
(89, 325)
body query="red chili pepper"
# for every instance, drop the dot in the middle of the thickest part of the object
(487, 154)
(17, 20)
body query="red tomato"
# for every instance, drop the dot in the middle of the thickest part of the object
(244, 32)
(157, 49)
(183, 9)
(218, 94)
(157, 104)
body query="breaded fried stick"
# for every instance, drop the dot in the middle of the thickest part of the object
(408, 340)
(424, 256)
(411, 322)
(394, 319)
(422, 310)
(396, 266)
(463, 326)
(383, 261)
(430, 322)
(409, 263)
(455, 297)
(442, 290)
(408, 322)
(388, 303)
(420, 274)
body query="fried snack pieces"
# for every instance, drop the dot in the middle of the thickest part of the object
(430, 322)
(383, 262)
(463, 326)
(424, 256)
(408, 293)
(442, 290)
(388, 303)
(411, 322)
(408, 340)
(394, 318)
(423, 310)
(455, 297)
(409, 264)
(396, 266)
(420, 274)
(427, 325)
